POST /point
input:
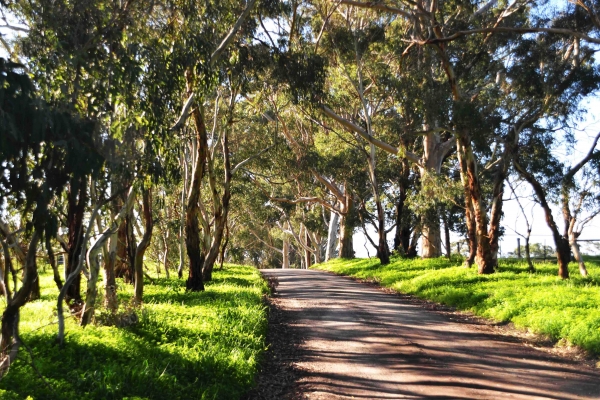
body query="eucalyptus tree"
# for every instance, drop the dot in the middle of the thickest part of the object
(400, 100)
(41, 147)
(577, 195)
(553, 75)
(77, 54)
(473, 68)
(201, 71)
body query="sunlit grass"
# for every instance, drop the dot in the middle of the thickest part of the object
(186, 345)
(541, 302)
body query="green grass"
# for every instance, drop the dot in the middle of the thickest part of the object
(540, 302)
(185, 346)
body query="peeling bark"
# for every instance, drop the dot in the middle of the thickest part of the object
(484, 258)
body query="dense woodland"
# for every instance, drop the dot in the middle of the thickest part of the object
(179, 134)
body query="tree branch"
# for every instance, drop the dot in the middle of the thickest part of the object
(376, 142)
(213, 58)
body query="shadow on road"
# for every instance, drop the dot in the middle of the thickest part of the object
(363, 343)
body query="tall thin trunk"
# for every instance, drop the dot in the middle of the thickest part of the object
(577, 254)
(528, 254)
(347, 228)
(498, 192)
(332, 235)
(130, 248)
(76, 206)
(414, 241)
(446, 233)
(484, 258)
(110, 282)
(563, 252)
(307, 253)
(192, 228)
(221, 210)
(166, 253)
(383, 251)
(53, 264)
(143, 245)
(224, 247)
(184, 191)
(402, 234)
(286, 254)
(120, 263)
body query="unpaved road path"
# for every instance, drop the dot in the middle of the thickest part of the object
(360, 342)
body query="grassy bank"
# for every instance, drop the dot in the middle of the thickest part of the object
(541, 302)
(185, 345)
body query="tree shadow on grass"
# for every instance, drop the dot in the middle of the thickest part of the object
(132, 369)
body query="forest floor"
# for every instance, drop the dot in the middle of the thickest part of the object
(334, 338)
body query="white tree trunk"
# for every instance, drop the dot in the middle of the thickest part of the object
(334, 223)
(577, 254)
(286, 254)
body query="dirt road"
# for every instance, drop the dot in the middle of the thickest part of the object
(360, 342)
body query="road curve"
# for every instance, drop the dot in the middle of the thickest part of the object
(360, 342)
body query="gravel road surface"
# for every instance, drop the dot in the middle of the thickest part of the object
(357, 341)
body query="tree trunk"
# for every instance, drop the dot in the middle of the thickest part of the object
(128, 264)
(469, 212)
(6, 270)
(563, 251)
(192, 228)
(183, 214)
(498, 192)
(471, 232)
(53, 264)
(166, 253)
(286, 254)
(221, 208)
(347, 228)
(484, 257)
(9, 341)
(307, 254)
(577, 254)
(383, 250)
(76, 207)
(120, 263)
(332, 235)
(143, 245)
(447, 234)
(110, 282)
(35, 293)
(224, 247)
(528, 255)
(403, 229)
(432, 237)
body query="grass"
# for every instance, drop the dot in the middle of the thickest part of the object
(564, 310)
(185, 346)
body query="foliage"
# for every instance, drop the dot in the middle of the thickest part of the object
(186, 345)
(536, 250)
(540, 302)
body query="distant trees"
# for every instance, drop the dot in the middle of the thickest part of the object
(536, 250)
